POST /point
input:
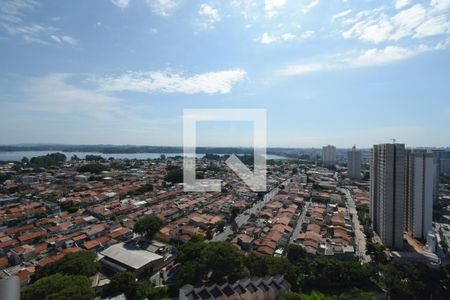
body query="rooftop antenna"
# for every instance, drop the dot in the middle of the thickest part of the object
(394, 141)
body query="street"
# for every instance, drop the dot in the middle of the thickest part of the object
(298, 227)
(244, 216)
(360, 238)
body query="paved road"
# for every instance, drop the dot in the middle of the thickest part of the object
(360, 238)
(243, 217)
(298, 227)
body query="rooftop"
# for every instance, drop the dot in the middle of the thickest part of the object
(130, 255)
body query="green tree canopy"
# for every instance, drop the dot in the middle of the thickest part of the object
(148, 187)
(49, 160)
(59, 287)
(215, 261)
(122, 282)
(296, 253)
(79, 263)
(148, 226)
(174, 175)
(94, 158)
(125, 283)
(95, 168)
(376, 252)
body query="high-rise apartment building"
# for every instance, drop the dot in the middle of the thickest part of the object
(329, 156)
(354, 164)
(420, 185)
(443, 159)
(387, 193)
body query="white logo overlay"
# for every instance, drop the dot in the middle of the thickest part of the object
(255, 180)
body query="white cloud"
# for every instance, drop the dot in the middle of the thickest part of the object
(288, 36)
(209, 16)
(267, 38)
(272, 7)
(435, 26)
(307, 34)
(399, 4)
(163, 7)
(357, 59)
(121, 3)
(382, 56)
(341, 14)
(249, 9)
(220, 82)
(375, 31)
(307, 8)
(65, 39)
(12, 20)
(36, 33)
(14, 10)
(302, 69)
(376, 26)
(407, 20)
(441, 5)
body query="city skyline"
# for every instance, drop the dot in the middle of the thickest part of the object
(335, 72)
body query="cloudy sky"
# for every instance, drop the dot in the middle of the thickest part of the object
(337, 72)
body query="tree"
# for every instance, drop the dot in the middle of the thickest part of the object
(94, 158)
(174, 175)
(148, 226)
(234, 211)
(79, 263)
(68, 206)
(215, 261)
(25, 160)
(95, 168)
(401, 279)
(223, 261)
(296, 253)
(376, 252)
(59, 287)
(125, 283)
(145, 290)
(148, 187)
(220, 226)
(261, 266)
(345, 275)
(122, 283)
(49, 160)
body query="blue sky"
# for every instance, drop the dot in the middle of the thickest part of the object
(337, 72)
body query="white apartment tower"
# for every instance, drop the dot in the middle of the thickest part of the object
(387, 193)
(329, 156)
(354, 164)
(420, 177)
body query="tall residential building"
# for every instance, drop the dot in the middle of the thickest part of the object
(420, 182)
(387, 193)
(354, 164)
(329, 156)
(443, 159)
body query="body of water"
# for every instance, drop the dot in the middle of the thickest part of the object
(18, 155)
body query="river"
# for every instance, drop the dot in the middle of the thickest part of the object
(18, 155)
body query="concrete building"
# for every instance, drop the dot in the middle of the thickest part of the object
(354, 164)
(124, 257)
(443, 159)
(328, 156)
(387, 193)
(420, 182)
